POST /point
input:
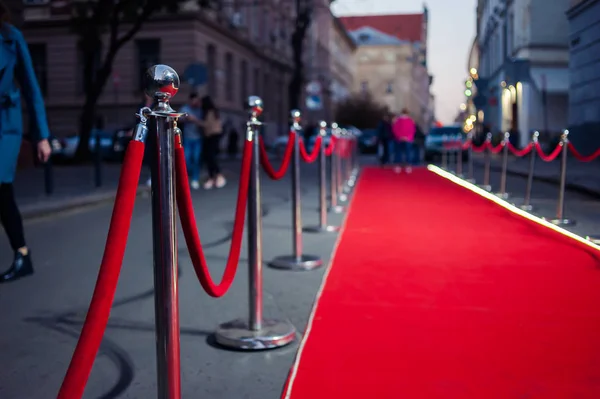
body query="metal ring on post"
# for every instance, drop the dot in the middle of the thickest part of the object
(488, 159)
(298, 260)
(560, 212)
(255, 333)
(527, 201)
(162, 83)
(333, 168)
(502, 193)
(323, 227)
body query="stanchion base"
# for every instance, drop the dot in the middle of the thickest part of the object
(337, 209)
(237, 334)
(290, 262)
(486, 187)
(594, 239)
(343, 198)
(504, 196)
(460, 176)
(563, 222)
(472, 181)
(527, 208)
(321, 229)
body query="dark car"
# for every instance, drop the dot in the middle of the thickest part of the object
(438, 137)
(367, 141)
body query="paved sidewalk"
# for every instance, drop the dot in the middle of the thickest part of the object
(581, 176)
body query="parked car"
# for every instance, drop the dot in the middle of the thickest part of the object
(367, 141)
(64, 148)
(438, 136)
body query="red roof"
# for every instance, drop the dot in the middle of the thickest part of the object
(403, 26)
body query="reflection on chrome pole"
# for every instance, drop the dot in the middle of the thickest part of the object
(333, 168)
(527, 202)
(502, 193)
(488, 159)
(560, 212)
(162, 83)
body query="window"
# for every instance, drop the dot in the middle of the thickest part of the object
(39, 61)
(244, 81)
(256, 79)
(389, 89)
(229, 83)
(211, 65)
(148, 54)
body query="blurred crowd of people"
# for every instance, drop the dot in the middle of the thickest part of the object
(401, 141)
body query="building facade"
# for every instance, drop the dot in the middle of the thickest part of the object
(584, 67)
(244, 49)
(391, 62)
(523, 67)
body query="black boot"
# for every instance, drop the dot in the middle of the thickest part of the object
(20, 267)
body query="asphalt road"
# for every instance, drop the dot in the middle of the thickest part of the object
(42, 315)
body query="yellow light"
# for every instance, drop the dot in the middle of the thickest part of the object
(468, 93)
(473, 71)
(480, 115)
(469, 84)
(503, 84)
(473, 118)
(463, 107)
(469, 122)
(510, 207)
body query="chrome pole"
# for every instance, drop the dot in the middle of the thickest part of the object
(488, 159)
(459, 157)
(527, 202)
(503, 194)
(162, 83)
(255, 333)
(560, 212)
(470, 177)
(298, 260)
(444, 153)
(323, 227)
(333, 165)
(341, 168)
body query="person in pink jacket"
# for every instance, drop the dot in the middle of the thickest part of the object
(403, 130)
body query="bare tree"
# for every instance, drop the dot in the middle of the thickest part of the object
(304, 15)
(120, 20)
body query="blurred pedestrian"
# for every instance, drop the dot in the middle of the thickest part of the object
(384, 138)
(418, 144)
(213, 129)
(16, 67)
(404, 130)
(192, 138)
(232, 142)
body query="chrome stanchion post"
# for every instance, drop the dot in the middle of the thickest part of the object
(560, 212)
(444, 153)
(488, 159)
(459, 157)
(333, 167)
(323, 227)
(502, 193)
(527, 201)
(298, 260)
(256, 333)
(470, 177)
(162, 83)
(341, 168)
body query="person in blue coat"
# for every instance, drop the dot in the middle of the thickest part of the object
(17, 77)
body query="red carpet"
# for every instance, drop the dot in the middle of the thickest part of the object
(436, 292)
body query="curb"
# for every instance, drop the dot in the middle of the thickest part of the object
(551, 180)
(49, 208)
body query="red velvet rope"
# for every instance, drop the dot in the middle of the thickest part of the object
(581, 157)
(190, 230)
(96, 319)
(287, 155)
(466, 145)
(497, 149)
(312, 157)
(550, 157)
(331, 146)
(520, 153)
(481, 148)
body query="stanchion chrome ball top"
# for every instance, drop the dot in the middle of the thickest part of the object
(161, 81)
(563, 222)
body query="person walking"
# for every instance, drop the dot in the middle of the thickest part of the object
(16, 66)
(403, 130)
(384, 138)
(213, 129)
(418, 144)
(192, 138)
